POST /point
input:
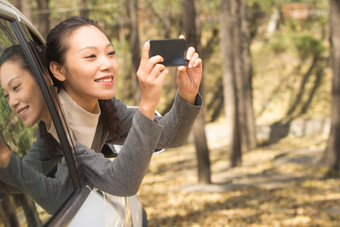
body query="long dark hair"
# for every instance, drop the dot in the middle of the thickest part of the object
(55, 50)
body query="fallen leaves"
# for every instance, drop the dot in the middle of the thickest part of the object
(277, 185)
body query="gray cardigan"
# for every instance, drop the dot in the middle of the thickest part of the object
(122, 176)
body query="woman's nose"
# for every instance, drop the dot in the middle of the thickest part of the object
(13, 102)
(105, 63)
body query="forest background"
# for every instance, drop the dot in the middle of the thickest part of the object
(267, 89)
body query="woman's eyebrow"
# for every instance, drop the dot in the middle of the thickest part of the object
(11, 80)
(9, 83)
(87, 47)
(94, 47)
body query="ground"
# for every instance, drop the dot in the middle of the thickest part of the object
(277, 185)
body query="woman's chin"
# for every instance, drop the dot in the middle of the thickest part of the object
(109, 95)
(28, 124)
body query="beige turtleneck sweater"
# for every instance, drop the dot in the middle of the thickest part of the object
(82, 122)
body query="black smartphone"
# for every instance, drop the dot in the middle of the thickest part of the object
(172, 50)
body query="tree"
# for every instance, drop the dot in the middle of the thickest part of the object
(30, 210)
(331, 156)
(237, 76)
(193, 35)
(9, 210)
(23, 6)
(84, 11)
(134, 45)
(227, 30)
(248, 128)
(43, 17)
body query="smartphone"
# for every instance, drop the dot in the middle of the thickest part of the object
(172, 50)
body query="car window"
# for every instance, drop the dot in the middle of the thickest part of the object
(36, 181)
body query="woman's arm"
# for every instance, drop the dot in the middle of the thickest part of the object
(49, 193)
(44, 154)
(178, 122)
(123, 176)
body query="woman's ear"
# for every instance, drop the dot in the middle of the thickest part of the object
(57, 71)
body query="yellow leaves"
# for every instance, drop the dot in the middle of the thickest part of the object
(297, 221)
(276, 186)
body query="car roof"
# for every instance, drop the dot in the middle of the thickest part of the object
(8, 11)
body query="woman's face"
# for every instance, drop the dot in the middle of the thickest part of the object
(23, 94)
(90, 66)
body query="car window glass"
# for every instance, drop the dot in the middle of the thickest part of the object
(35, 183)
(6, 34)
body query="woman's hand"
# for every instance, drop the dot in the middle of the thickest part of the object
(5, 154)
(151, 75)
(189, 77)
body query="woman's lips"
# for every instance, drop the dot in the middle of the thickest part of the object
(22, 112)
(105, 80)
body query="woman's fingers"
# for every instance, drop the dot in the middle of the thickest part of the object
(193, 58)
(193, 61)
(181, 37)
(190, 53)
(156, 71)
(147, 62)
(145, 53)
(162, 75)
(150, 68)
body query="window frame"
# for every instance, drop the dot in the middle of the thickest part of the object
(37, 70)
(80, 193)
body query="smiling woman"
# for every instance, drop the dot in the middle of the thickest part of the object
(83, 66)
(37, 160)
(90, 68)
(84, 74)
(20, 88)
(26, 101)
(82, 62)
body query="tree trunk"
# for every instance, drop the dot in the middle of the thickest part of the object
(134, 46)
(331, 157)
(24, 7)
(202, 151)
(242, 66)
(84, 11)
(167, 23)
(227, 27)
(124, 88)
(250, 127)
(235, 11)
(193, 36)
(9, 209)
(273, 22)
(43, 19)
(30, 210)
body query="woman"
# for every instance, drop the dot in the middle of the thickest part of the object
(137, 150)
(84, 67)
(26, 101)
